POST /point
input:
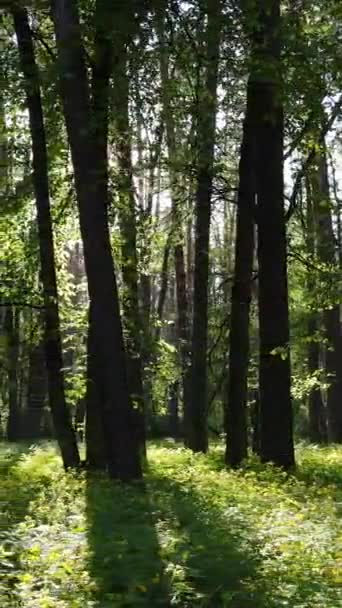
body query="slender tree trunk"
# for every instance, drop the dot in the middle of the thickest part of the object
(12, 333)
(317, 420)
(331, 316)
(53, 348)
(236, 402)
(90, 175)
(176, 196)
(37, 392)
(128, 229)
(197, 433)
(274, 372)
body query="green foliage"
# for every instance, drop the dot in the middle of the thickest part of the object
(193, 535)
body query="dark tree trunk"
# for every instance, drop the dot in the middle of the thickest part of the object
(37, 391)
(91, 188)
(12, 333)
(128, 227)
(164, 283)
(236, 402)
(255, 422)
(317, 417)
(173, 410)
(96, 456)
(197, 438)
(176, 194)
(274, 373)
(326, 251)
(53, 348)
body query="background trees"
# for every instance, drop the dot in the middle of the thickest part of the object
(192, 159)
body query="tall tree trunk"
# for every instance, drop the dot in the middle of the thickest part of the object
(127, 221)
(96, 455)
(177, 192)
(317, 420)
(53, 348)
(197, 433)
(274, 372)
(236, 402)
(91, 188)
(326, 251)
(12, 333)
(37, 392)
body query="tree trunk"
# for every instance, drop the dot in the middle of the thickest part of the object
(37, 392)
(274, 372)
(96, 456)
(236, 402)
(331, 316)
(176, 196)
(53, 348)
(197, 437)
(128, 228)
(317, 419)
(91, 189)
(12, 333)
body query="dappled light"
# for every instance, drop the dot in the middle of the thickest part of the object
(188, 536)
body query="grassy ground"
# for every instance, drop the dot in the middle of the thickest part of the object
(194, 535)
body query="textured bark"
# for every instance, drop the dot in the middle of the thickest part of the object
(197, 433)
(96, 456)
(91, 188)
(53, 347)
(11, 325)
(317, 417)
(177, 204)
(37, 392)
(236, 402)
(127, 221)
(326, 252)
(274, 372)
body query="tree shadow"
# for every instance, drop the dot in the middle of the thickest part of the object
(219, 559)
(125, 560)
(14, 502)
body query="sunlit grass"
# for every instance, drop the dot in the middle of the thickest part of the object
(194, 535)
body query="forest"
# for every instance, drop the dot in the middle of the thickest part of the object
(170, 304)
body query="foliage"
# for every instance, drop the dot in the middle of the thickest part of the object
(193, 535)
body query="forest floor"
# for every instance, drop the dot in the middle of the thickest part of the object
(193, 535)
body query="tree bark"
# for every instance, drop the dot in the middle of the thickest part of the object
(326, 251)
(317, 418)
(197, 433)
(176, 200)
(236, 402)
(96, 455)
(92, 196)
(53, 347)
(127, 222)
(274, 371)
(11, 324)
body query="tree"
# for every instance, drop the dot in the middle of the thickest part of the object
(236, 402)
(197, 438)
(274, 372)
(327, 255)
(53, 347)
(92, 196)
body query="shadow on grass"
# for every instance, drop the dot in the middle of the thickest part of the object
(164, 546)
(219, 560)
(14, 502)
(125, 557)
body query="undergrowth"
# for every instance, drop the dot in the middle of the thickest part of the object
(193, 535)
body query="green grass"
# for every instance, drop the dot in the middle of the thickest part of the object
(193, 535)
